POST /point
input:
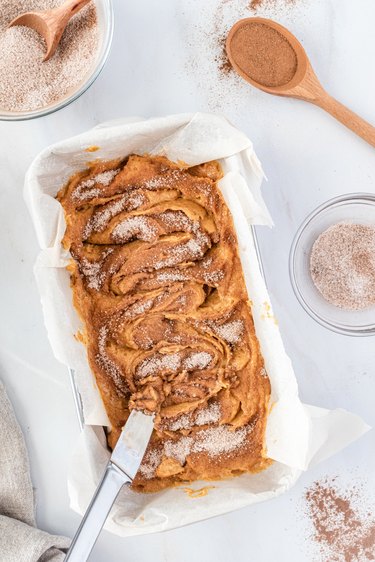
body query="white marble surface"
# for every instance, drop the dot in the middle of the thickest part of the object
(161, 63)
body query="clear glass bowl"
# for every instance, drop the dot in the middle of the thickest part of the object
(105, 25)
(355, 208)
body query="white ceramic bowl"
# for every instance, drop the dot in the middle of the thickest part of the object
(355, 208)
(105, 26)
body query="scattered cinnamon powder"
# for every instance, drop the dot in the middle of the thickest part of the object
(209, 68)
(343, 531)
(222, 58)
(342, 265)
(263, 54)
(254, 5)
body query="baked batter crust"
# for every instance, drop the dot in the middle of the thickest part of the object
(158, 282)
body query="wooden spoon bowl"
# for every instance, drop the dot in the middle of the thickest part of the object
(304, 84)
(51, 24)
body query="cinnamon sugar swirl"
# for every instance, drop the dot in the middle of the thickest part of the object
(157, 280)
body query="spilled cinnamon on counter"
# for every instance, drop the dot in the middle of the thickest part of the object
(254, 5)
(263, 54)
(343, 533)
(221, 58)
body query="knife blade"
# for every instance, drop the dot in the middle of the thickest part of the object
(121, 469)
(132, 444)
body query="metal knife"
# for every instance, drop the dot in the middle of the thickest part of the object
(121, 469)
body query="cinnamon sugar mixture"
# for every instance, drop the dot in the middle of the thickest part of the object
(26, 82)
(342, 265)
(342, 530)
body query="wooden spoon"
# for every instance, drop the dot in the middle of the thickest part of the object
(304, 84)
(51, 24)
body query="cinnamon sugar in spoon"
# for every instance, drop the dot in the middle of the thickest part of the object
(268, 56)
(51, 24)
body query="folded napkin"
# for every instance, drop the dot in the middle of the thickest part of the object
(20, 540)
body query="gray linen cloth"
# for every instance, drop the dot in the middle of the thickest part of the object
(20, 540)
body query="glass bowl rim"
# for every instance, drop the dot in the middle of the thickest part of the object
(48, 110)
(368, 330)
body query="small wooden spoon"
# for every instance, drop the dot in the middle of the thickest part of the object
(304, 84)
(51, 24)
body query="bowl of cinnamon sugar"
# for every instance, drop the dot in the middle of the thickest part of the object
(32, 88)
(332, 264)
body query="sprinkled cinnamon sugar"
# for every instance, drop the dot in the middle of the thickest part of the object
(150, 464)
(213, 277)
(231, 332)
(107, 363)
(191, 250)
(220, 440)
(205, 416)
(173, 362)
(93, 273)
(214, 441)
(138, 308)
(100, 219)
(342, 265)
(156, 363)
(90, 188)
(198, 360)
(163, 181)
(165, 276)
(138, 226)
(342, 530)
(211, 414)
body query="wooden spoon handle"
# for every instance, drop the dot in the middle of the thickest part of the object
(71, 7)
(57, 20)
(347, 117)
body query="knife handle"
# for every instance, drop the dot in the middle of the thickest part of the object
(96, 514)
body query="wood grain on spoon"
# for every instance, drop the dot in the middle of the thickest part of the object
(288, 71)
(51, 24)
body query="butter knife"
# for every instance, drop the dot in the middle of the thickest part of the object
(121, 469)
